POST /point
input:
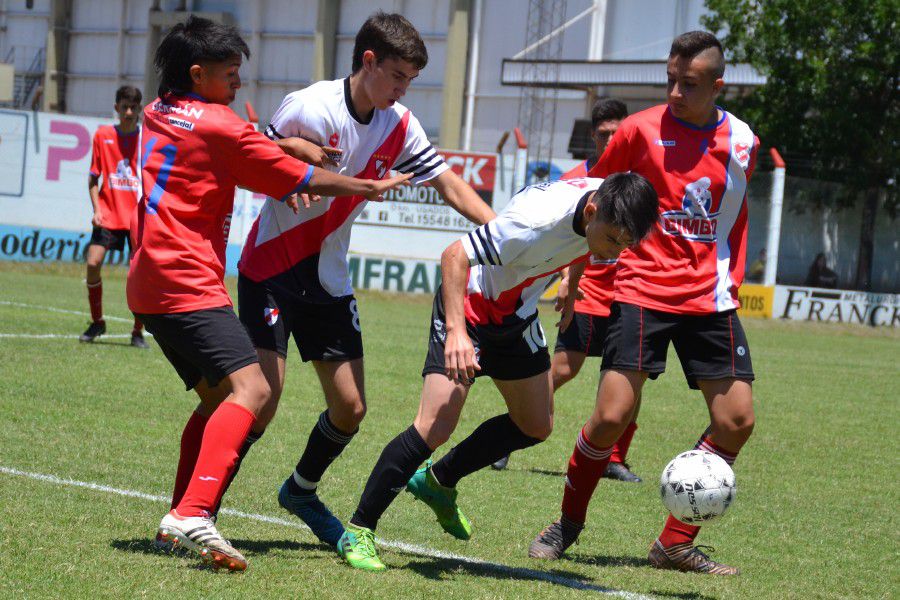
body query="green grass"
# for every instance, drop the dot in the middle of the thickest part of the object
(815, 514)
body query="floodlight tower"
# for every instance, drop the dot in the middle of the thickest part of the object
(537, 101)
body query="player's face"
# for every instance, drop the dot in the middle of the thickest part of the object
(692, 87)
(605, 241)
(218, 82)
(128, 112)
(602, 133)
(388, 80)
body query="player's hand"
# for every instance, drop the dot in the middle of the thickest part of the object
(309, 152)
(565, 304)
(97, 219)
(460, 363)
(293, 201)
(381, 186)
(562, 294)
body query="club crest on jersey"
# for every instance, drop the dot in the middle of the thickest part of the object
(742, 154)
(271, 315)
(382, 164)
(333, 140)
(694, 221)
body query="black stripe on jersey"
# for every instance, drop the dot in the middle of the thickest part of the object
(429, 167)
(403, 165)
(491, 244)
(272, 133)
(474, 243)
(487, 250)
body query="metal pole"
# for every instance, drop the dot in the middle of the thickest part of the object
(776, 201)
(474, 56)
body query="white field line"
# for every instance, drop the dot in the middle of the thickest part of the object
(63, 336)
(62, 310)
(403, 547)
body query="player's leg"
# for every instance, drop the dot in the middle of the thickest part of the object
(440, 406)
(329, 336)
(617, 468)
(635, 348)
(716, 359)
(96, 252)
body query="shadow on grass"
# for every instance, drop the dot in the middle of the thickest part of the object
(601, 560)
(251, 547)
(545, 472)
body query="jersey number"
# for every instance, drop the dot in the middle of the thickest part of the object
(159, 185)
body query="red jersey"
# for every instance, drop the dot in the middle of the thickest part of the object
(193, 154)
(693, 260)
(113, 157)
(599, 275)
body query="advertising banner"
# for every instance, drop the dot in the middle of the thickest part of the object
(836, 306)
(756, 300)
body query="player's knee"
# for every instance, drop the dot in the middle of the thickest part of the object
(349, 415)
(437, 434)
(737, 426)
(562, 376)
(539, 429)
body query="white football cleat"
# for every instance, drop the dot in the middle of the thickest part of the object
(199, 534)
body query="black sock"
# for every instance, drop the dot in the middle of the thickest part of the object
(252, 438)
(493, 439)
(326, 442)
(397, 463)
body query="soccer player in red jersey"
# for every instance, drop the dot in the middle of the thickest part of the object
(114, 159)
(585, 335)
(680, 285)
(195, 150)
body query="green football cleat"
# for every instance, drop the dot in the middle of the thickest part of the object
(357, 547)
(442, 500)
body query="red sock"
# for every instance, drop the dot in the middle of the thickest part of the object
(676, 532)
(620, 448)
(586, 465)
(138, 326)
(191, 438)
(222, 440)
(95, 300)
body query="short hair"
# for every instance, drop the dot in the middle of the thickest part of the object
(628, 200)
(607, 109)
(129, 93)
(690, 44)
(196, 41)
(389, 36)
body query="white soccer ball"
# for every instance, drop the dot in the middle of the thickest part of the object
(697, 487)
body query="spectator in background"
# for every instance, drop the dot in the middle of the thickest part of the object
(820, 275)
(757, 268)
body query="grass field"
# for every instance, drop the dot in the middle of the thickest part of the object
(815, 516)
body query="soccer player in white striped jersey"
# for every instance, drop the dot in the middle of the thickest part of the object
(294, 274)
(484, 322)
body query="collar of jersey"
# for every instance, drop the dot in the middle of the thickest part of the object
(194, 96)
(696, 128)
(578, 217)
(348, 100)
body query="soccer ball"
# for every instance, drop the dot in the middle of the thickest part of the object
(697, 487)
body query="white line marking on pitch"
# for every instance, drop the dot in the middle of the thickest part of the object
(61, 336)
(62, 310)
(513, 572)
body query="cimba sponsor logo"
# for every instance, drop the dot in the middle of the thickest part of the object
(694, 221)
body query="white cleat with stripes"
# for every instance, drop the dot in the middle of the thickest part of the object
(199, 534)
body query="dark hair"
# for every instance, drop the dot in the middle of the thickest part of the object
(129, 93)
(628, 200)
(607, 109)
(193, 42)
(692, 43)
(389, 36)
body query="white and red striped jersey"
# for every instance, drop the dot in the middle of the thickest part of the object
(693, 260)
(308, 251)
(513, 256)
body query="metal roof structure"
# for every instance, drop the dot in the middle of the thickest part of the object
(580, 74)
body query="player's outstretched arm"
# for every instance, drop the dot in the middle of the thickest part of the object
(309, 152)
(459, 352)
(326, 183)
(462, 198)
(565, 304)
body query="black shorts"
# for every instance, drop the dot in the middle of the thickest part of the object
(271, 314)
(711, 346)
(209, 343)
(504, 353)
(111, 239)
(586, 334)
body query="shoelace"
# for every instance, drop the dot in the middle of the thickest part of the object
(709, 550)
(366, 544)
